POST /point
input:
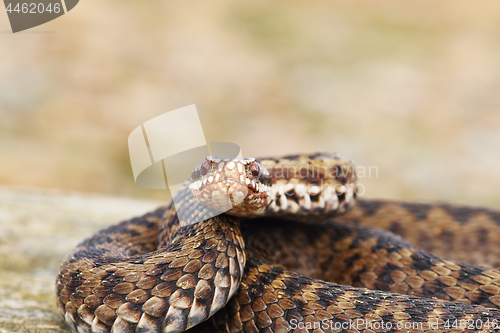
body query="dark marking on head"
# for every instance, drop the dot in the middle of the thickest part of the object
(315, 156)
(291, 157)
(343, 175)
(315, 197)
(291, 195)
(304, 173)
(278, 199)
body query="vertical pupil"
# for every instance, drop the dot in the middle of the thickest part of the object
(204, 168)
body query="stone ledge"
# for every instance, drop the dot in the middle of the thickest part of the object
(37, 229)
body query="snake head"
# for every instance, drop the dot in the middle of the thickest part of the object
(239, 185)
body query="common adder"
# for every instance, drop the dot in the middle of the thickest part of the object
(262, 266)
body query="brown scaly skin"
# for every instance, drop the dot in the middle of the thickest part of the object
(371, 258)
(126, 278)
(464, 233)
(102, 284)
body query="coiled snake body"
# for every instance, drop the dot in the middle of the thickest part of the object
(262, 266)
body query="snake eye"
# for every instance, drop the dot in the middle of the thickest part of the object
(255, 169)
(205, 166)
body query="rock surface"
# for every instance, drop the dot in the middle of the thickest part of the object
(37, 229)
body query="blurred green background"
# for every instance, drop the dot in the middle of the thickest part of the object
(412, 88)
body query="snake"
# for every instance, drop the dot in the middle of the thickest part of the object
(285, 244)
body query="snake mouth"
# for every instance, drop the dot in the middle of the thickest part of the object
(222, 195)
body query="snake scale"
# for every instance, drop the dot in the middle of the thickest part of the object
(290, 225)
